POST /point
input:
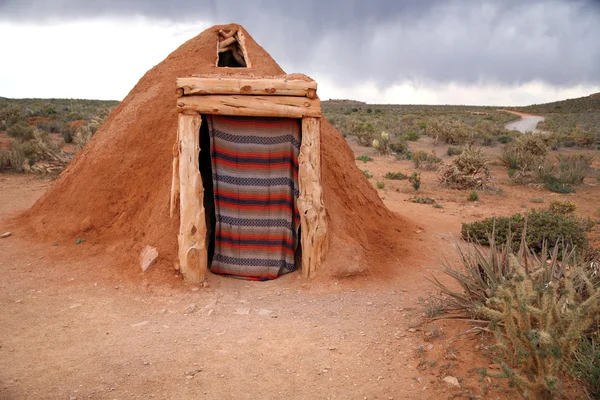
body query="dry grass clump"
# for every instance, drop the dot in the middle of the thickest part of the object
(469, 170)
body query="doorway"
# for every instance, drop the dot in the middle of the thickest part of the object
(249, 169)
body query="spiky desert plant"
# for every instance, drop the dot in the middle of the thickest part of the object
(536, 308)
(538, 326)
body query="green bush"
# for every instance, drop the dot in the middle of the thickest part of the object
(542, 226)
(367, 174)
(395, 176)
(364, 158)
(380, 185)
(473, 196)
(504, 139)
(415, 180)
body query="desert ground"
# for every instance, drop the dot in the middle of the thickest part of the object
(95, 330)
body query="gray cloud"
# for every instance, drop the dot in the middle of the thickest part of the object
(387, 41)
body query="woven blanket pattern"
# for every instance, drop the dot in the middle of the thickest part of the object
(255, 176)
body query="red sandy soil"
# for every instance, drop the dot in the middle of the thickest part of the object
(76, 323)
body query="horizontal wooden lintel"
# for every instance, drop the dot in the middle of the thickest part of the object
(262, 87)
(251, 106)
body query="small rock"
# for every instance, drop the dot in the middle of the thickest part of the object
(451, 381)
(189, 309)
(265, 312)
(494, 366)
(5, 235)
(242, 311)
(141, 323)
(412, 330)
(147, 257)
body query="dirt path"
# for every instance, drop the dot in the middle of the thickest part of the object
(527, 123)
(98, 330)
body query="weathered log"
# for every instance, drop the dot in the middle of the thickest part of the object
(227, 42)
(227, 35)
(265, 86)
(238, 57)
(253, 106)
(310, 203)
(226, 49)
(192, 225)
(242, 43)
(175, 178)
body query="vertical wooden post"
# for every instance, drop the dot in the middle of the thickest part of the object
(192, 225)
(313, 222)
(175, 179)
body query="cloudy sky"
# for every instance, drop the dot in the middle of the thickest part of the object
(492, 52)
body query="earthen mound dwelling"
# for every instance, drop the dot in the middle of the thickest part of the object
(117, 192)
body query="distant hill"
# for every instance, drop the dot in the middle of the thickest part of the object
(568, 116)
(585, 104)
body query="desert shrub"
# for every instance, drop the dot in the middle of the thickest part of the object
(20, 131)
(364, 158)
(535, 307)
(380, 185)
(382, 144)
(410, 136)
(469, 170)
(82, 137)
(4, 160)
(569, 170)
(415, 180)
(585, 364)
(453, 132)
(398, 146)
(504, 139)
(367, 174)
(422, 200)
(68, 132)
(542, 226)
(364, 132)
(454, 151)
(473, 196)
(16, 157)
(524, 155)
(427, 161)
(395, 176)
(581, 137)
(562, 207)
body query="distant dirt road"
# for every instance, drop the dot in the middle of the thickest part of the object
(527, 123)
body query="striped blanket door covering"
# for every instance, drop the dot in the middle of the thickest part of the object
(255, 177)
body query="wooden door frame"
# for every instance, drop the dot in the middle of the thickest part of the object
(272, 97)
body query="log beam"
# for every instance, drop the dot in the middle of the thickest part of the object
(241, 39)
(313, 219)
(192, 226)
(278, 87)
(251, 106)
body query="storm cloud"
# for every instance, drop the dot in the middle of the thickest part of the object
(465, 42)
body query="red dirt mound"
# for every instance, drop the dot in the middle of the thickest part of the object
(116, 192)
